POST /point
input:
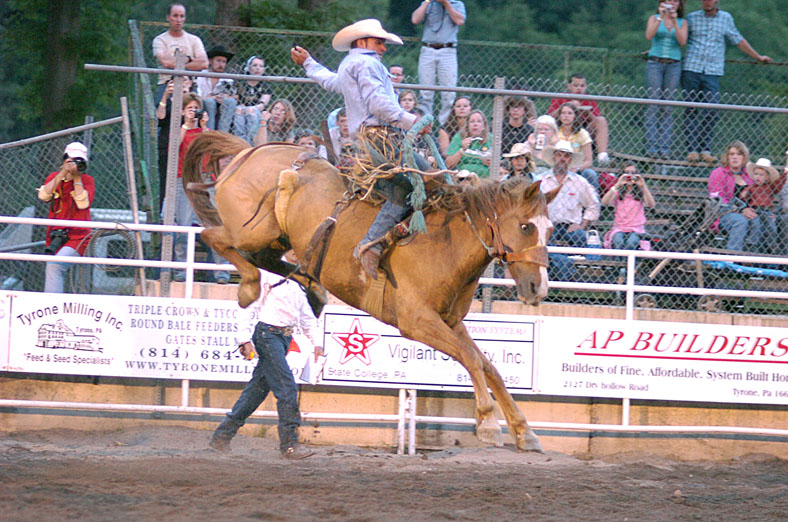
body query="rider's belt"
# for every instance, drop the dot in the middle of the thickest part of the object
(439, 46)
(281, 330)
(662, 60)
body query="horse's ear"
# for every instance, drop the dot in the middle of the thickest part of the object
(532, 191)
(550, 196)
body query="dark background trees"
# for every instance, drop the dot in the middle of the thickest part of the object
(45, 43)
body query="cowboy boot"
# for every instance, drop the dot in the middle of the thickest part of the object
(369, 257)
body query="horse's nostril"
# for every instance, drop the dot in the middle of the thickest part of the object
(533, 287)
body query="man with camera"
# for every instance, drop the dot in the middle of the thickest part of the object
(69, 192)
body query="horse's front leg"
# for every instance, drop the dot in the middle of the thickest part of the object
(524, 437)
(426, 326)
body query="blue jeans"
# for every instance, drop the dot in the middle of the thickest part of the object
(245, 125)
(561, 233)
(272, 373)
(226, 114)
(626, 241)
(560, 267)
(662, 80)
(699, 123)
(440, 64)
(591, 176)
(210, 106)
(736, 226)
(763, 232)
(56, 272)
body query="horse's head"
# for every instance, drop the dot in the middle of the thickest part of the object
(523, 231)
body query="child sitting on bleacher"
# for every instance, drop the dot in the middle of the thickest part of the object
(629, 196)
(759, 196)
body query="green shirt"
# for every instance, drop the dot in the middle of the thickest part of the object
(472, 157)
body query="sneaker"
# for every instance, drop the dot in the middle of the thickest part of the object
(602, 158)
(693, 157)
(222, 277)
(707, 157)
(297, 453)
(219, 444)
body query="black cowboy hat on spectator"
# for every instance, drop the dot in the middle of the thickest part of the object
(219, 50)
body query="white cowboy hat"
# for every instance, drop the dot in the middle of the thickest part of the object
(518, 149)
(564, 146)
(369, 28)
(76, 150)
(765, 164)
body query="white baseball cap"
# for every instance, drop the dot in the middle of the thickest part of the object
(76, 150)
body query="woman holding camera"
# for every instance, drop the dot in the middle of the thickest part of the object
(69, 192)
(667, 30)
(629, 196)
(471, 149)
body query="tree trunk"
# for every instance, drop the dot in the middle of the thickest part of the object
(227, 13)
(61, 58)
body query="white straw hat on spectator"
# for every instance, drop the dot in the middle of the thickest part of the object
(766, 165)
(369, 28)
(76, 150)
(518, 149)
(564, 146)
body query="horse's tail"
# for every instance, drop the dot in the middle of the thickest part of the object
(216, 146)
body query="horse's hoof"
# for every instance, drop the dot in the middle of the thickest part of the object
(530, 443)
(490, 432)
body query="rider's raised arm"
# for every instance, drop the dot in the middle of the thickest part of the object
(322, 75)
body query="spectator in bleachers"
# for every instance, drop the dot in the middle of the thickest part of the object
(69, 192)
(163, 111)
(438, 58)
(760, 196)
(195, 121)
(471, 148)
(520, 112)
(521, 164)
(175, 38)
(249, 100)
(782, 209)
(703, 66)
(397, 73)
(455, 123)
(667, 31)
(590, 116)
(545, 135)
(577, 204)
(214, 90)
(341, 140)
(310, 141)
(407, 100)
(630, 197)
(570, 129)
(572, 210)
(277, 125)
(726, 182)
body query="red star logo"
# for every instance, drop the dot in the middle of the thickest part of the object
(355, 343)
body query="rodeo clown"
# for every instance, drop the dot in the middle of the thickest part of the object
(375, 119)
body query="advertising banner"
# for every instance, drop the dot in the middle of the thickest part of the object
(663, 361)
(362, 351)
(127, 337)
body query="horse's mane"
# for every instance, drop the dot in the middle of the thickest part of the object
(483, 199)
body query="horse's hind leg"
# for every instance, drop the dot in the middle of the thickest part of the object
(427, 327)
(524, 437)
(219, 239)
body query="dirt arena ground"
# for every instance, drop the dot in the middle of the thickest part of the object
(168, 474)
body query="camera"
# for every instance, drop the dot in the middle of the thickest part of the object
(81, 164)
(667, 7)
(57, 238)
(540, 141)
(198, 114)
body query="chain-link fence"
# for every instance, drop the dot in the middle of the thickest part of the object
(26, 165)
(684, 219)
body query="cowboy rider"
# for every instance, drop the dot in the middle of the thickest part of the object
(375, 119)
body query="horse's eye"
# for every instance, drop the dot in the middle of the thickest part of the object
(527, 228)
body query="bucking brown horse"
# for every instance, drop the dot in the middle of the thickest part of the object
(266, 206)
